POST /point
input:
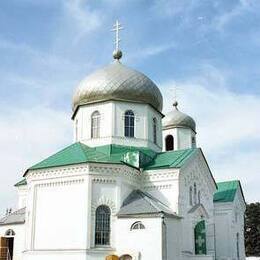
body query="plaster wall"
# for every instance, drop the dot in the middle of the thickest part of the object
(145, 243)
(182, 138)
(229, 221)
(22, 196)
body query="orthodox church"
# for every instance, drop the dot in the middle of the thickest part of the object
(132, 186)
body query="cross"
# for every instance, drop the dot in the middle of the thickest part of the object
(116, 28)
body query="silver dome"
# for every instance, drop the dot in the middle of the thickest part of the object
(175, 118)
(117, 82)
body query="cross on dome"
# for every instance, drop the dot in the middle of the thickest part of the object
(117, 54)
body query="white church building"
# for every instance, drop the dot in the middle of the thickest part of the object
(132, 185)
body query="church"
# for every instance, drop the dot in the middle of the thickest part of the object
(133, 185)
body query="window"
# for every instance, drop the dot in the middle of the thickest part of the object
(9, 233)
(137, 225)
(154, 130)
(199, 198)
(195, 193)
(129, 124)
(95, 125)
(191, 196)
(169, 143)
(102, 228)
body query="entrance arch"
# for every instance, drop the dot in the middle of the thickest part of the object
(7, 244)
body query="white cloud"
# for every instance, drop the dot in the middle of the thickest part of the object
(28, 136)
(84, 19)
(227, 125)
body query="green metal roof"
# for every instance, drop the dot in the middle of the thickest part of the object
(137, 157)
(173, 159)
(226, 191)
(21, 183)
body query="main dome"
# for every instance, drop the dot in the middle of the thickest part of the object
(117, 82)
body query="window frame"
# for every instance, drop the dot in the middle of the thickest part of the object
(129, 124)
(95, 124)
(102, 226)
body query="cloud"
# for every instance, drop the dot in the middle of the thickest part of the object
(27, 136)
(83, 18)
(227, 126)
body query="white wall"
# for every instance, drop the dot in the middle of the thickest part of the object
(147, 243)
(112, 124)
(182, 137)
(229, 220)
(22, 196)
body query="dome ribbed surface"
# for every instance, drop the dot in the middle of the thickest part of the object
(176, 118)
(117, 82)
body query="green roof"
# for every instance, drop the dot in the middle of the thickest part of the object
(21, 183)
(172, 159)
(137, 157)
(226, 191)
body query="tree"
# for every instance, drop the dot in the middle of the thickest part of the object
(252, 229)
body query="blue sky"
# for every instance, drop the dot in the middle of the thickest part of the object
(208, 50)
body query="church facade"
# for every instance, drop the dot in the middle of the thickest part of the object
(133, 185)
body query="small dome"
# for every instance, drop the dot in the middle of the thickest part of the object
(117, 82)
(175, 118)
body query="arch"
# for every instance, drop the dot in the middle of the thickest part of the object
(137, 225)
(9, 233)
(102, 226)
(155, 130)
(190, 196)
(125, 257)
(129, 123)
(169, 143)
(95, 124)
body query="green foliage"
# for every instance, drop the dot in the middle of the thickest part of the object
(252, 229)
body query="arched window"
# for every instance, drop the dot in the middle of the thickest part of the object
(169, 143)
(95, 125)
(199, 197)
(195, 193)
(129, 123)
(190, 195)
(102, 228)
(155, 130)
(137, 225)
(9, 233)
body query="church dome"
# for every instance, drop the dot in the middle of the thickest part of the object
(117, 82)
(176, 118)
